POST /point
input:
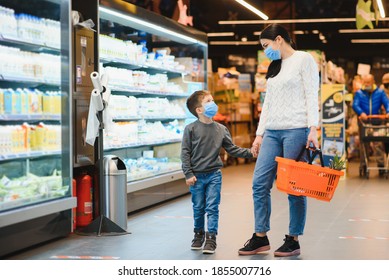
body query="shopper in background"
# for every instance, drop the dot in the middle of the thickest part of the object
(385, 84)
(201, 165)
(369, 100)
(288, 122)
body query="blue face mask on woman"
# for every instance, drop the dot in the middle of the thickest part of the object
(272, 54)
(210, 109)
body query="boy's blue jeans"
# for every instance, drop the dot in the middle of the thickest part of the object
(206, 199)
(282, 143)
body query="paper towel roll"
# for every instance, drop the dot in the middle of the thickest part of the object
(95, 77)
(97, 100)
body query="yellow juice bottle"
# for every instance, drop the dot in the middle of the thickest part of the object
(33, 138)
(40, 137)
(27, 136)
(14, 139)
(57, 104)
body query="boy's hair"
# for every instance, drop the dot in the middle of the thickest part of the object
(194, 101)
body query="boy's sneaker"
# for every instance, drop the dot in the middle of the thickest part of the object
(255, 245)
(198, 240)
(210, 243)
(291, 247)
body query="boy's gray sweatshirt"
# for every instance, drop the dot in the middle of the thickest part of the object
(201, 146)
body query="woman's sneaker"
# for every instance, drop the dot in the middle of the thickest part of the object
(255, 245)
(210, 243)
(291, 247)
(198, 240)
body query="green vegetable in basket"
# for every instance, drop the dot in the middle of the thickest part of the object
(337, 163)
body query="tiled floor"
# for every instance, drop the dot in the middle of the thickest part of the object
(353, 226)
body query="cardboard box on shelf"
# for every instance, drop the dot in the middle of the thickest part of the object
(241, 111)
(245, 97)
(225, 96)
(243, 141)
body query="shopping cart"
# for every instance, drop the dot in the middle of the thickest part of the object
(374, 128)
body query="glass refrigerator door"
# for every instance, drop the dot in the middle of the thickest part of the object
(153, 64)
(34, 108)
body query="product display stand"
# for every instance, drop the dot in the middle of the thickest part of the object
(102, 225)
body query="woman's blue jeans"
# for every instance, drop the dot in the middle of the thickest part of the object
(282, 143)
(206, 199)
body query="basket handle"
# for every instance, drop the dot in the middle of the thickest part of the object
(311, 157)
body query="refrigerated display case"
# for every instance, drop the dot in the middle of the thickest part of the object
(35, 173)
(153, 64)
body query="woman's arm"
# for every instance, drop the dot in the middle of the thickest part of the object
(310, 76)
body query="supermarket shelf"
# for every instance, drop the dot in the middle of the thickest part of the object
(154, 181)
(27, 46)
(33, 82)
(31, 212)
(122, 90)
(151, 69)
(162, 118)
(30, 117)
(26, 155)
(155, 143)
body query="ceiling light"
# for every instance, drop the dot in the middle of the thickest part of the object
(324, 41)
(363, 30)
(220, 34)
(369, 41)
(297, 32)
(315, 31)
(310, 20)
(253, 9)
(244, 39)
(381, 8)
(235, 43)
(322, 37)
(152, 28)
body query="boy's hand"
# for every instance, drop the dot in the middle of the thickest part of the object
(191, 181)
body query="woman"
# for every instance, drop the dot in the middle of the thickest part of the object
(288, 122)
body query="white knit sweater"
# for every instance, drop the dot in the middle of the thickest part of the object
(292, 96)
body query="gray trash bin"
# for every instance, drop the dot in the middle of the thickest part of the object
(115, 187)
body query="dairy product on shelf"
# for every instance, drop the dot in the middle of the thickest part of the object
(123, 106)
(30, 28)
(141, 168)
(29, 101)
(8, 26)
(123, 79)
(128, 51)
(16, 139)
(21, 65)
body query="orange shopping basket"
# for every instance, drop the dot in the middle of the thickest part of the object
(301, 178)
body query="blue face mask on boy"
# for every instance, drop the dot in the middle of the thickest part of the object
(210, 109)
(272, 54)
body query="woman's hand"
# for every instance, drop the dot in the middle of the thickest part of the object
(312, 138)
(256, 145)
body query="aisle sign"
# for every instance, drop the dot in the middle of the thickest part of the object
(333, 121)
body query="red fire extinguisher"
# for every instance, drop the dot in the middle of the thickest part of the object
(84, 212)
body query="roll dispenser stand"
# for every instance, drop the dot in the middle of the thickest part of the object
(101, 225)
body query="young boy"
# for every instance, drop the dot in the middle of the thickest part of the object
(201, 165)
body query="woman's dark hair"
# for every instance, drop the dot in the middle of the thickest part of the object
(271, 32)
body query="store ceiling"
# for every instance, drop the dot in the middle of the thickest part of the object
(208, 13)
